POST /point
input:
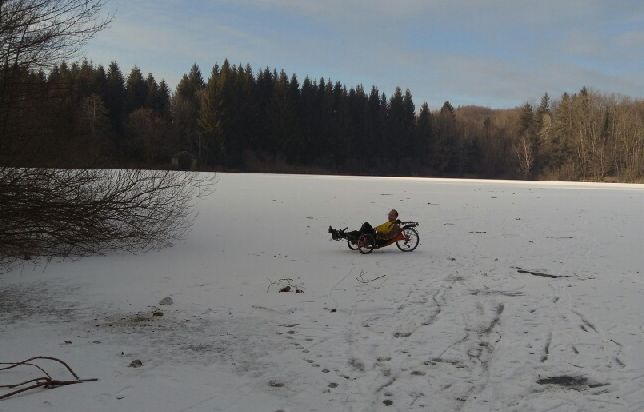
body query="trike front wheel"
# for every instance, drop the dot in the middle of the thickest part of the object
(411, 240)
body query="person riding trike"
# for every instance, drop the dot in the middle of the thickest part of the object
(403, 234)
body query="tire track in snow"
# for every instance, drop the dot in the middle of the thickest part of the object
(480, 354)
(391, 343)
(460, 373)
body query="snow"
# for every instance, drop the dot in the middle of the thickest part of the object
(459, 324)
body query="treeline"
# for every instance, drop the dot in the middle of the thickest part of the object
(81, 115)
(84, 116)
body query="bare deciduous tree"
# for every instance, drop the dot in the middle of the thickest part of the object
(525, 156)
(38, 33)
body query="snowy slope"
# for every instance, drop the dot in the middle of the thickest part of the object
(459, 324)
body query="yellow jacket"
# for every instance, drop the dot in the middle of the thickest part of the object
(386, 228)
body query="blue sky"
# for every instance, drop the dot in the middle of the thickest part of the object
(496, 53)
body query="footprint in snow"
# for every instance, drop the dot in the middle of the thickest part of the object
(357, 364)
(275, 383)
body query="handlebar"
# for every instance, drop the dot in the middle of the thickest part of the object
(409, 223)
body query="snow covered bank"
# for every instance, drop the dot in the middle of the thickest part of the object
(520, 296)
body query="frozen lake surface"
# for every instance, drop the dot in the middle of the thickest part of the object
(522, 296)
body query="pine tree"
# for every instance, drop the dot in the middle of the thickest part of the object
(85, 81)
(409, 141)
(152, 93)
(136, 91)
(99, 82)
(395, 130)
(162, 102)
(94, 129)
(282, 118)
(560, 146)
(445, 147)
(263, 94)
(306, 113)
(425, 136)
(186, 105)
(196, 79)
(115, 99)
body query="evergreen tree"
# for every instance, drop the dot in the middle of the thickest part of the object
(282, 118)
(445, 144)
(94, 130)
(152, 100)
(136, 91)
(85, 81)
(114, 99)
(375, 120)
(560, 146)
(186, 111)
(308, 115)
(99, 82)
(425, 136)
(263, 94)
(542, 111)
(162, 103)
(195, 78)
(409, 141)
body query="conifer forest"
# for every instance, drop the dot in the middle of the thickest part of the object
(237, 118)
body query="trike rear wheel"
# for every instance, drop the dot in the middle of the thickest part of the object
(366, 243)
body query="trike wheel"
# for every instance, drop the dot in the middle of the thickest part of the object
(411, 240)
(352, 246)
(366, 244)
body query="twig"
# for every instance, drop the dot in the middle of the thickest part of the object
(46, 381)
(47, 384)
(360, 278)
(26, 362)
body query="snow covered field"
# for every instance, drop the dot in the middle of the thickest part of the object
(520, 297)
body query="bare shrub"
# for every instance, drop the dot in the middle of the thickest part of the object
(60, 213)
